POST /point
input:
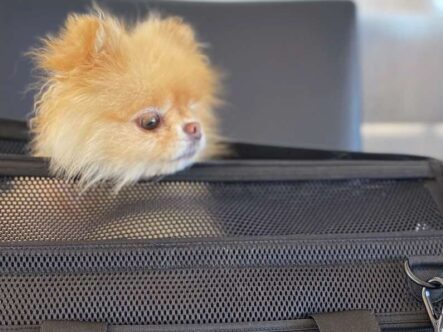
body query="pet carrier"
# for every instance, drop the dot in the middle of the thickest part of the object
(273, 239)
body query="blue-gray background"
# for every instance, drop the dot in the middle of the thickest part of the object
(292, 72)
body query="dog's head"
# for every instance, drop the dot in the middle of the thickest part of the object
(123, 102)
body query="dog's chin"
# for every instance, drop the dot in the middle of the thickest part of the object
(188, 154)
(185, 159)
(155, 170)
(176, 164)
(191, 152)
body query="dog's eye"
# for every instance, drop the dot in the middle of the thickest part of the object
(149, 121)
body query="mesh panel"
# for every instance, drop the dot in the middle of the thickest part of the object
(219, 283)
(50, 209)
(200, 280)
(202, 296)
(12, 146)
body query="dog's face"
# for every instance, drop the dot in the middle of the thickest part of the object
(124, 103)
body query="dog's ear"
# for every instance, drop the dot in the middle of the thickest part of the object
(83, 41)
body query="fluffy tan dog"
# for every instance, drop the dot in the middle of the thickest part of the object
(121, 102)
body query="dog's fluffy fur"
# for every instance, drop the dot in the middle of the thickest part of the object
(99, 74)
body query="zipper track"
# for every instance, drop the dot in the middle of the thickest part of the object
(257, 170)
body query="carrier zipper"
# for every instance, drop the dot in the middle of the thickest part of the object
(257, 170)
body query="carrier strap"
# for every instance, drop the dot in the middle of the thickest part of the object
(72, 326)
(349, 321)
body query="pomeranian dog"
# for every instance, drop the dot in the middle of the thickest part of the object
(121, 103)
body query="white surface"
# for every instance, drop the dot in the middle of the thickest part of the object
(412, 138)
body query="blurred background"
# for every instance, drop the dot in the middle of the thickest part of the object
(363, 75)
(401, 50)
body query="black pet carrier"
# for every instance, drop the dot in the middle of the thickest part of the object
(273, 239)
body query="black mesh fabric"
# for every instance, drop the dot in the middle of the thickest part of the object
(210, 252)
(207, 282)
(202, 295)
(48, 209)
(12, 146)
